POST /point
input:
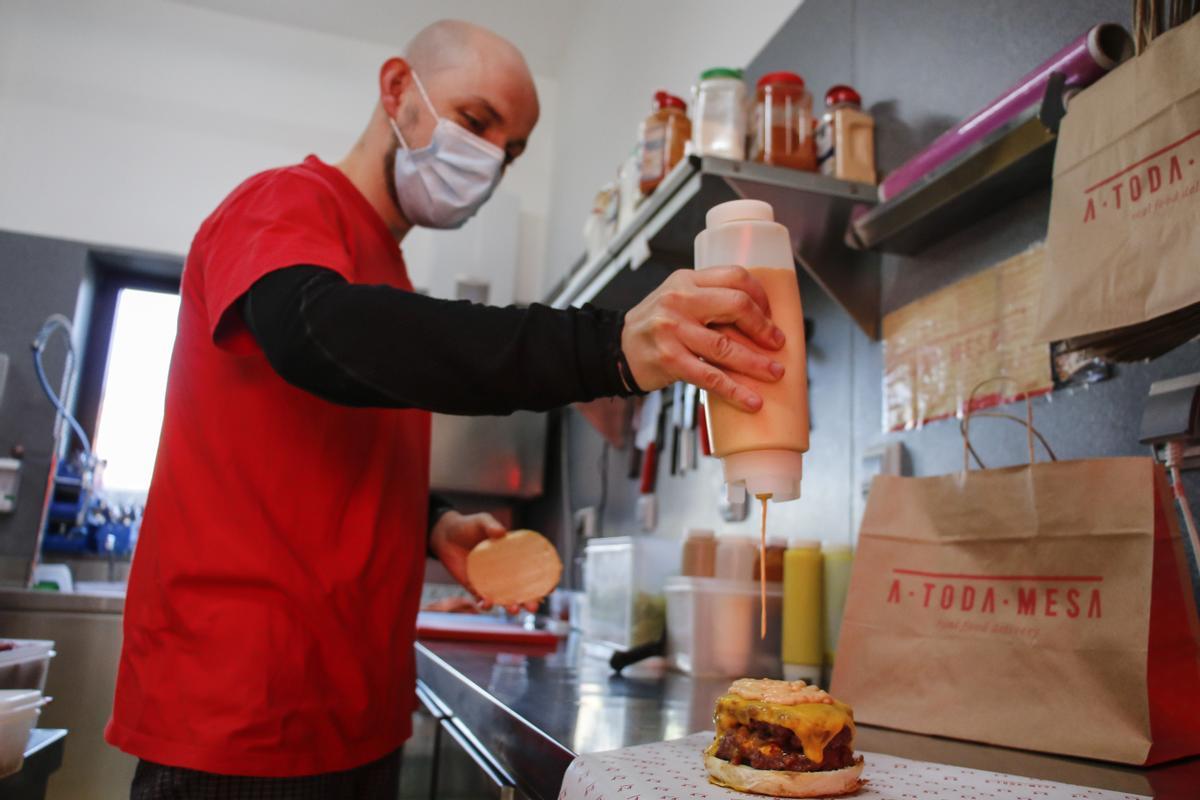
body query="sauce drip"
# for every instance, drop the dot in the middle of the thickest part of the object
(762, 567)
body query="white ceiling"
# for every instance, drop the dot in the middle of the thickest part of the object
(540, 28)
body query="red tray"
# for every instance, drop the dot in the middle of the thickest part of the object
(478, 628)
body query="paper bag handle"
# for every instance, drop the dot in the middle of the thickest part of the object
(964, 426)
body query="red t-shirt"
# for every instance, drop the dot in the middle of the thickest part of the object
(273, 598)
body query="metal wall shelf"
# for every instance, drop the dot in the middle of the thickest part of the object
(815, 208)
(1011, 162)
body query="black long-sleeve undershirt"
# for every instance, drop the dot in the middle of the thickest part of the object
(378, 346)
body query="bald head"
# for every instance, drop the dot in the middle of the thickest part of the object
(474, 77)
(453, 44)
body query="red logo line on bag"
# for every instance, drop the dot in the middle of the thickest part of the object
(1143, 188)
(1023, 578)
(1137, 164)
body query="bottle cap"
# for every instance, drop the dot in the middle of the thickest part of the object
(804, 544)
(736, 536)
(775, 540)
(721, 72)
(664, 99)
(699, 533)
(809, 673)
(842, 94)
(783, 77)
(738, 210)
(839, 549)
(765, 472)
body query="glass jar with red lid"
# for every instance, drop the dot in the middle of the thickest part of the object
(784, 126)
(664, 135)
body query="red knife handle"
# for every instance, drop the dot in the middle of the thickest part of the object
(649, 464)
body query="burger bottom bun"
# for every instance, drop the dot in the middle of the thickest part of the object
(782, 783)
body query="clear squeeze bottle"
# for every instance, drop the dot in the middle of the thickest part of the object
(762, 452)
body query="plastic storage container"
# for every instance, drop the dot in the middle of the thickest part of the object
(712, 628)
(624, 578)
(719, 114)
(664, 135)
(19, 710)
(784, 129)
(25, 664)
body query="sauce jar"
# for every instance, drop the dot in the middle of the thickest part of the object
(663, 137)
(720, 128)
(784, 127)
(846, 137)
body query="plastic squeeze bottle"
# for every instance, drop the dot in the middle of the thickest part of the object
(762, 452)
(803, 639)
(839, 559)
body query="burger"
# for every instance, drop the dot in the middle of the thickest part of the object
(783, 738)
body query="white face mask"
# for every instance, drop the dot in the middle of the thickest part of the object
(443, 184)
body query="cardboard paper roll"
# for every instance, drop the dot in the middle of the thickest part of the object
(520, 567)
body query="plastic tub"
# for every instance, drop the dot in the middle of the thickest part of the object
(25, 664)
(713, 628)
(19, 710)
(624, 577)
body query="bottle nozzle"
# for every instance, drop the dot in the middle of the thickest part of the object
(771, 472)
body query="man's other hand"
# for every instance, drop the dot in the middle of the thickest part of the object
(455, 535)
(705, 327)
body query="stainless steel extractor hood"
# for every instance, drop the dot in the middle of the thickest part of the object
(499, 456)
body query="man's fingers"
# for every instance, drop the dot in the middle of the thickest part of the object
(713, 380)
(732, 306)
(532, 606)
(719, 348)
(735, 278)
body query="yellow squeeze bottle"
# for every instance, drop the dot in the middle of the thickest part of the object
(803, 595)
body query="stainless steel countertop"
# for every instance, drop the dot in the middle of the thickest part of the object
(536, 710)
(12, 599)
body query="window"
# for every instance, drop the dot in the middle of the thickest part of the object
(135, 384)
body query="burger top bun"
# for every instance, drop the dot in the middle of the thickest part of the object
(517, 568)
(781, 783)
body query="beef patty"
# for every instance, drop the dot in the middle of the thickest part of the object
(765, 746)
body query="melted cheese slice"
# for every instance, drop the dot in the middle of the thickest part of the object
(815, 724)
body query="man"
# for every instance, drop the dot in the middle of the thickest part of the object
(271, 607)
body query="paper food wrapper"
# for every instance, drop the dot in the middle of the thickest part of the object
(675, 769)
(1124, 233)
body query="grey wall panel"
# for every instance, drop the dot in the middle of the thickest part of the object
(38, 277)
(920, 67)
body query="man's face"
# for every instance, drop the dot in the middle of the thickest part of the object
(488, 96)
(496, 103)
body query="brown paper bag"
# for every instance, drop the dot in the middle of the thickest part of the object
(1045, 607)
(1124, 238)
